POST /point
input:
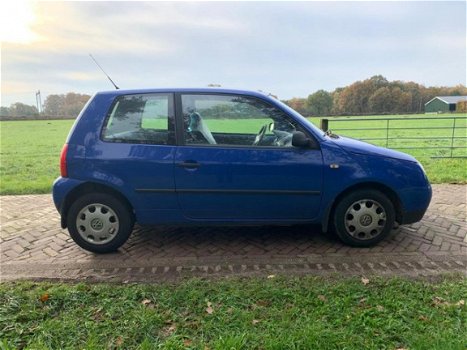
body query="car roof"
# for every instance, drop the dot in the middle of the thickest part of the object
(184, 90)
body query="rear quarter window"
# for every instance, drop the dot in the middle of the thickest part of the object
(146, 118)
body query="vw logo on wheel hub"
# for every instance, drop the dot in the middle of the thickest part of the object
(97, 224)
(365, 220)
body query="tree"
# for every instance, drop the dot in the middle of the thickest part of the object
(53, 105)
(68, 105)
(354, 99)
(19, 109)
(377, 95)
(461, 107)
(320, 103)
(4, 111)
(401, 101)
(298, 104)
(74, 103)
(381, 101)
(390, 99)
(459, 90)
(415, 92)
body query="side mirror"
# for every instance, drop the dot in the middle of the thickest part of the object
(299, 139)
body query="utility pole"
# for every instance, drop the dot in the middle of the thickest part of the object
(38, 101)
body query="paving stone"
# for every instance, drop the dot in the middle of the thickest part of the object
(31, 237)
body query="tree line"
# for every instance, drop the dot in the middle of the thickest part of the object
(375, 95)
(62, 105)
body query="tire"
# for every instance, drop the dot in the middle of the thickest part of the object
(363, 218)
(99, 222)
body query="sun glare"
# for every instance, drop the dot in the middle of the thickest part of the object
(16, 18)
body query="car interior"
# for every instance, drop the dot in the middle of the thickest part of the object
(197, 132)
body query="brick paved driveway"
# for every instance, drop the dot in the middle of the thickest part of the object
(33, 245)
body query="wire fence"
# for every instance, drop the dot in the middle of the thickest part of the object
(436, 137)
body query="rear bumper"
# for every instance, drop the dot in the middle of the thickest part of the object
(61, 188)
(412, 216)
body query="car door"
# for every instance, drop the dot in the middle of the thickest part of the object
(236, 162)
(135, 154)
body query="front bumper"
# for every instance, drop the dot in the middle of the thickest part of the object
(419, 201)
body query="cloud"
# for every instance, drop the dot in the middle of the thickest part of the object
(288, 48)
(81, 76)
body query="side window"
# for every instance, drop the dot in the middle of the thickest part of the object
(235, 120)
(141, 119)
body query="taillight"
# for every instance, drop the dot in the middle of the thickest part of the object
(63, 169)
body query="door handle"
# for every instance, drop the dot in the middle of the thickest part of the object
(189, 165)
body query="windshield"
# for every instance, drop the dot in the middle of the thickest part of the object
(317, 130)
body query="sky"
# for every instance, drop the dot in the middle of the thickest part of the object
(289, 49)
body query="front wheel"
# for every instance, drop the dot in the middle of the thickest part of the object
(99, 223)
(363, 218)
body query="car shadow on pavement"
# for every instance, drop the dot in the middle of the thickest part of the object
(229, 241)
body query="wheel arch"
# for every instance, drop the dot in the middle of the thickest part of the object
(386, 190)
(86, 188)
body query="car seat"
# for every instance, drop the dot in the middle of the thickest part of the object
(197, 124)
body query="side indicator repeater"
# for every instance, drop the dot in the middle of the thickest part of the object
(334, 166)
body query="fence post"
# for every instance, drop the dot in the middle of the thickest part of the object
(324, 124)
(387, 133)
(452, 135)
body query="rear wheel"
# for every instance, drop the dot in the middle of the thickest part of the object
(363, 218)
(99, 222)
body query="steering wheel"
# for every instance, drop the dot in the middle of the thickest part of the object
(260, 135)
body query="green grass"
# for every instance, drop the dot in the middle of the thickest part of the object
(255, 313)
(408, 132)
(29, 154)
(411, 133)
(29, 150)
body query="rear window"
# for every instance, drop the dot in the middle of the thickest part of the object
(147, 118)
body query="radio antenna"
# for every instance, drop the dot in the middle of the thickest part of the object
(103, 71)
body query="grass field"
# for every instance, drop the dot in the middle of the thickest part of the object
(254, 313)
(409, 132)
(30, 150)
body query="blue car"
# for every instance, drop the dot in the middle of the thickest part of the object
(225, 157)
